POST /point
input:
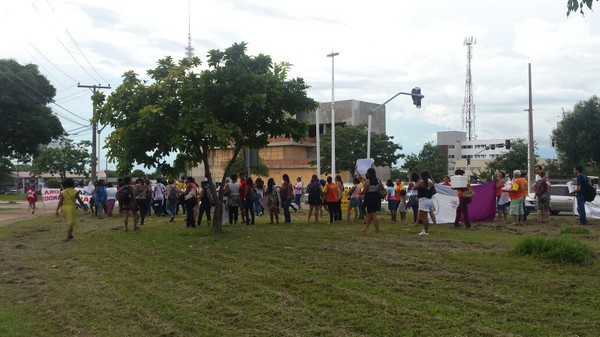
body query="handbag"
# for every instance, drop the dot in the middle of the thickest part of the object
(382, 190)
(468, 193)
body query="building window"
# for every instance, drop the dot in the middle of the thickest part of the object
(451, 156)
(450, 146)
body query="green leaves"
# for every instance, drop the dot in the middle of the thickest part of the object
(575, 137)
(240, 101)
(429, 159)
(27, 121)
(65, 157)
(351, 145)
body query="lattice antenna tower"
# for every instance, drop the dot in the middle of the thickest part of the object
(468, 111)
(189, 50)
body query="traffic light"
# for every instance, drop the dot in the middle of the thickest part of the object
(507, 144)
(416, 96)
(469, 160)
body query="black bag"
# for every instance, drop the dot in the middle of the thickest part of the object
(589, 192)
(124, 196)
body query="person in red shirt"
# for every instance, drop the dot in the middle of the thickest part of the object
(332, 197)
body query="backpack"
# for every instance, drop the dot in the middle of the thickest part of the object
(540, 187)
(31, 194)
(172, 194)
(589, 192)
(124, 196)
(252, 195)
(382, 190)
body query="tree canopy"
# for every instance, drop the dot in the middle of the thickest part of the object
(27, 121)
(351, 144)
(429, 159)
(66, 157)
(238, 101)
(576, 136)
(574, 5)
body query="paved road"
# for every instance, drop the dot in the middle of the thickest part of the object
(10, 213)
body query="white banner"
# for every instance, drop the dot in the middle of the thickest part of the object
(52, 195)
(592, 208)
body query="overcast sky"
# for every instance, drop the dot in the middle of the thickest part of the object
(385, 47)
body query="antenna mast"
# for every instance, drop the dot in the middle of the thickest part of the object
(189, 50)
(468, 111)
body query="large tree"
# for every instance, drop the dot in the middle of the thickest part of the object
(576, 136)
(351, 144)
(429, 159)
(238, 101)
(26, 119)
(574, 5)
(62, 158)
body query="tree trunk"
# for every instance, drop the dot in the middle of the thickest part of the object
(217, 226)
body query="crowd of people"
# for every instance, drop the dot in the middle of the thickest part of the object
(245, 199)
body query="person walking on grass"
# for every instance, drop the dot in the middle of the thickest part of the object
(372, 199)
(581, 180)
(272, 200)
(298, 191)
(332, 191)
(315, 196)
(517, 193)
(172, 193)
(425, 190)
(354, 196)
(391, 198)
(286, 197)
(340, 185)
(68, 197)
(542, 194)
(128, 203)
(205, 202)
(248, 203)
(31, 195)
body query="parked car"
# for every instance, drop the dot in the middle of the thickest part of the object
(560, 200)
(12, 192)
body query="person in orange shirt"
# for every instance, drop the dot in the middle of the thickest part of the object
(517, 194)
(332, 191)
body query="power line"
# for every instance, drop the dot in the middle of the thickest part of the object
(82, 54)
(44, 56)
(69, 111)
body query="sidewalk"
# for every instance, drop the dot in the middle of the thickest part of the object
(10, 213)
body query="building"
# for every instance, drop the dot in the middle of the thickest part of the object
(455, 146)
(284, 155)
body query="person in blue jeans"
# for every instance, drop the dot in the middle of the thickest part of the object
(581, 179)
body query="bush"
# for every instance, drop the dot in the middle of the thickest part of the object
(562, 249)
(53, 183)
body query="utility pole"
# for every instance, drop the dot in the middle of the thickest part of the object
(94, 163)
(530, 153)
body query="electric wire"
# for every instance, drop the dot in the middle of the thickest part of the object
(52, 63)
(84, 57)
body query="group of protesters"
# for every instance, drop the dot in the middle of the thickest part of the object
(245, 199)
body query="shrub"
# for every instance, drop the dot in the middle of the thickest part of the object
(53, 183)
(562, 249)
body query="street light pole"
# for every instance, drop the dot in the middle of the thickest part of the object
(332, 55)
(416, 99)
(318, 143)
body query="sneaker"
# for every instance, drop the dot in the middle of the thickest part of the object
(423, 233)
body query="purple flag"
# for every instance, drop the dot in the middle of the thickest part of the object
(483, 204)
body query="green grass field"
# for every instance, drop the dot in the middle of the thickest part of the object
(291, 280)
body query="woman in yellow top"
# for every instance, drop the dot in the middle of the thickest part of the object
(67, 199)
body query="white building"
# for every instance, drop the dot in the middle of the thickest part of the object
(455, 146)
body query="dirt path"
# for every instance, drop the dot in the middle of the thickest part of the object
(10, 213)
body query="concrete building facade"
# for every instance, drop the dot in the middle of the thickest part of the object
(284, 155)
(455, 146)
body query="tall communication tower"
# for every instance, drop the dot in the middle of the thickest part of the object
(468, 111)
(189, 50)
